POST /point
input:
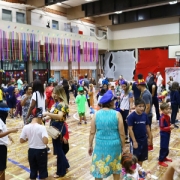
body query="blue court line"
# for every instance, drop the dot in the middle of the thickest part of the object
(19, 165)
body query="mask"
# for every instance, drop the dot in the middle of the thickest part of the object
(133, 166)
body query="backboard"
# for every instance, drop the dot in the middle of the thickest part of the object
(174, 51)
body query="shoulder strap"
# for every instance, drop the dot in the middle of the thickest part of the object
(36, 101)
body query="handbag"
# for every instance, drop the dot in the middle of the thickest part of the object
(54, 132)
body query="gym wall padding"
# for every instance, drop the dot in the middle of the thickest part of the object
(153, 60)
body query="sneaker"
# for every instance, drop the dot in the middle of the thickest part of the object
(168, 159)
(175, 126)
(150, 148)
(163, 164)
(177, 121)
(48, 150)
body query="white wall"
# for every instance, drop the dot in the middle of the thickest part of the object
(40, 18)
(12, 7)
(145, 28)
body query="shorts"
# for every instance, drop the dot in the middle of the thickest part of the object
(11, 102)
(142, 151)
(81, 114)
(3, 157)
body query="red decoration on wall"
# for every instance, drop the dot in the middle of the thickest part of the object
(153, 60)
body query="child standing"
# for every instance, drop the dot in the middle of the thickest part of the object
(81, 102)
(165, 131)
(131, 170)
(138, 126)
(36, 135)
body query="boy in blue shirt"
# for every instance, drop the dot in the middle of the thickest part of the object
(165, 132)
(139, 130)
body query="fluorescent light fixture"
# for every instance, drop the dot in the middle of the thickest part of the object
(173, 2)
(118, 12)
(88, 0)
(58, 4)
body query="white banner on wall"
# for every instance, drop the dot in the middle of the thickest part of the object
(174, 72)
(119, 63)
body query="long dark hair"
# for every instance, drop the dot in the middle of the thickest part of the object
(38, 86)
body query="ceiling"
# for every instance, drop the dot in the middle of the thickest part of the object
(72, 3)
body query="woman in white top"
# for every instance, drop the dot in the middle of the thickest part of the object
(4, 138)
(38, 98)
(126, 103)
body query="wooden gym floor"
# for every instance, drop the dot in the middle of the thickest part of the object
(79, 160)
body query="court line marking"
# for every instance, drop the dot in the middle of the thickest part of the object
(19, 165)
(14, 175)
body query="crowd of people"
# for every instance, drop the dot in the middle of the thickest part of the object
(123, 116)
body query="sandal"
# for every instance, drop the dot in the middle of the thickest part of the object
(56, 176)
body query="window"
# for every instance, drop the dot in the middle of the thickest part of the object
(92, 32)
(55, 25)
(20, 17)
(6, 15)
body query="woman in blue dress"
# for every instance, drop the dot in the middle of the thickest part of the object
(107, 127)
(58, 114)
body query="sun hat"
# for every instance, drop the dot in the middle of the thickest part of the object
(107, 97)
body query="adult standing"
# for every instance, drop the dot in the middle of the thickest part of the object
(101, 80)
(10, 97)
(169, 83)
(58, 114)
(51, 79)
(148, 77)
(25, 102)
(110, 138)
(147, 97)
(66, 86)
(175, 102)
(126, 103)
(153, 90)
(20, 85)
(159, 82)
(86, 81)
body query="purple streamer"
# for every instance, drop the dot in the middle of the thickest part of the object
(79, 51)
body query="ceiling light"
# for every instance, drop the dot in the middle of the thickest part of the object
(88, 0)
(173, 2)
(118, 12)
(58, 4)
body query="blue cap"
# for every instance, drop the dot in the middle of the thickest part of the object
(107, 97)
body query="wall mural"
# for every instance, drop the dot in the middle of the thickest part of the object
(119, 63)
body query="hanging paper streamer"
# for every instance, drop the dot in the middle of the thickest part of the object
(27, 47)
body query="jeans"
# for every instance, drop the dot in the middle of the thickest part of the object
(164, 145)
(124, 116)
(175, 109)
(38, 163)
(155, 102)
